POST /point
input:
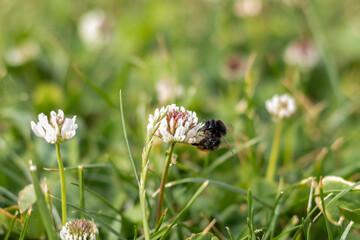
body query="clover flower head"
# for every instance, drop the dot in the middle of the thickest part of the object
(179, 125)
(95, 29)
(281, 106)
(167, 90)
(57, 130)
(301, 53)
(234, 68)
(79, 229)
(154, 120)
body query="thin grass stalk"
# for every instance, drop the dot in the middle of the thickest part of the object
(220, 185)
(320, 40)
(197, 193)
(40, 201)
(347, 230)
(163, 181)
(11, 226)
(324, 210)
(144, 170)
(96, 218)
(26, 223)
(230, 233)
(127, 141)
(98, 90)
(81, 189)
(274, 153)
(250, 215)
(63, 184)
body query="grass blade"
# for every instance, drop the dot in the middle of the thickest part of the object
(40, 201)
(230, 233)
(228, 155)
(11, 226)
(100, 198)
(324, 210)
(197, 193)
(98, 220)
(9, 194)
(347, 230)
(217, 184)
(81, 189)
(127, 141)
(94, 87)
(250, 216)
(26, 223)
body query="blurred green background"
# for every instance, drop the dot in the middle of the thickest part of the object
(194, 54)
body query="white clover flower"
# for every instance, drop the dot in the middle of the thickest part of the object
(179, 125)
(301, 53)
(58, 130)
(154, 120)
(281, 106)
(94, 29)
(234, 68)
(79, 229)
(167, 90)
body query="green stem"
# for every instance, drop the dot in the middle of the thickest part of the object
(63, 185)
(81, 189)
(163, 181)
(11, 226)
(142, 192)
(274, 153)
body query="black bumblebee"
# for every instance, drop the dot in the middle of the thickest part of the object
(213, 131)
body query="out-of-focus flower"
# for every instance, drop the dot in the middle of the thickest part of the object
(235, 68)
(179, 125)
(301, 53)
(167, 91)
(79, 229)
(58, 130)
(248, 8)
(241, 106)
(21, 54)
(281, 106)
(95, 29)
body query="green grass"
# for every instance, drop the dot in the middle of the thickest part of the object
(187, 43)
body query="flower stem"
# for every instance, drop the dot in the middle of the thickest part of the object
(81, 189)
(142, 191)
(274, 153)
(163, 181)
(62, 181)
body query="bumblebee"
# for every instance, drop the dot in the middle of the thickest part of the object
(213, 131)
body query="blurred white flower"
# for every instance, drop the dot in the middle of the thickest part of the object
(167, 91)
(281, 106)
(302, 53)
(58, 130)
(21, 54)
(94, 29)
(179, 125)
(234, 68)
(79, 229)
(248, 8)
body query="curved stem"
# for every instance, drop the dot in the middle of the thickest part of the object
(63, 185)
(163, 181)
(274, 153)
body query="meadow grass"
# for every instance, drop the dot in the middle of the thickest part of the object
(291, 178)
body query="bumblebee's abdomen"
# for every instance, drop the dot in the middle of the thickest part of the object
(209, 144)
